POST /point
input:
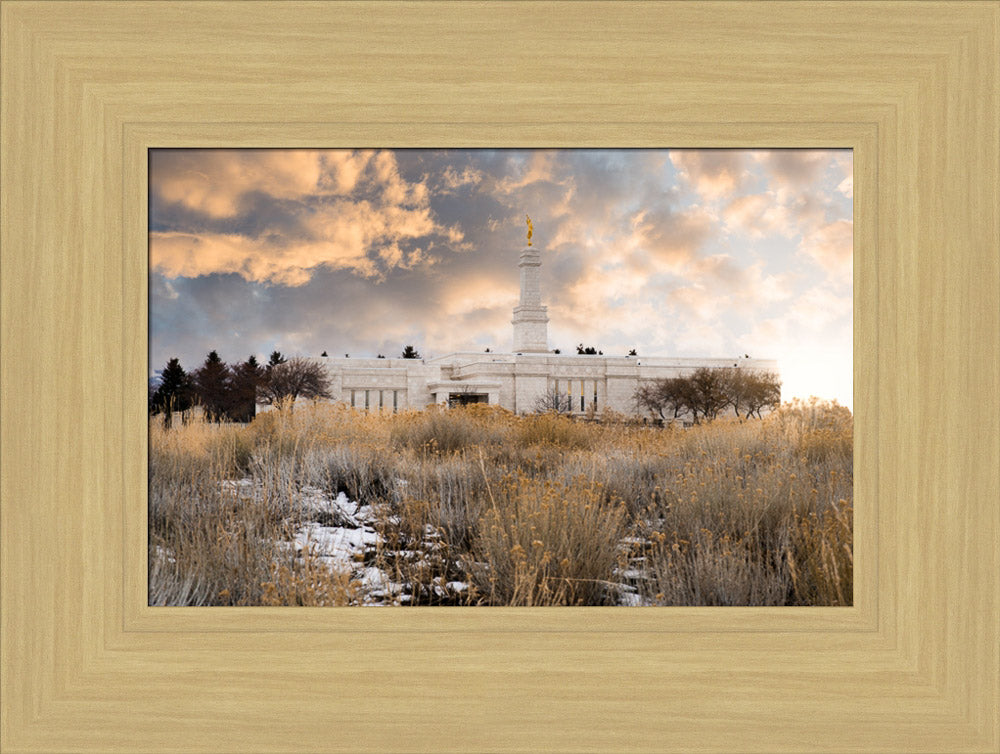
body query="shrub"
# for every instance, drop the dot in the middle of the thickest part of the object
(545, 543)
(535, 510)
(552, 429)
(441, 430)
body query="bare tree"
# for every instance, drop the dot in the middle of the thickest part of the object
(554, 401)
(665, 399)
(763, 392)
(750, 390)
(293, 379)
(736, 386)
(706, 392)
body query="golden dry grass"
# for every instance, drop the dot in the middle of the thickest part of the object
(536, 510)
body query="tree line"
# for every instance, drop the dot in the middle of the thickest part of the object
(707, 392)
(231, 392)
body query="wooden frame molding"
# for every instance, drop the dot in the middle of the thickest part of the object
(89, 87)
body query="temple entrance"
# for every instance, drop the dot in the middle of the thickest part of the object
(464, 399)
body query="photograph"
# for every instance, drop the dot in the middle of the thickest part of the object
(500, 377)
(616, 376)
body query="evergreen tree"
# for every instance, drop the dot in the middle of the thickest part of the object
(175, 392)
(409, 352)
(277, 357)
(247, 378)
(212, 383)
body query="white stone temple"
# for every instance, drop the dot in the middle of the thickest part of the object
(521, 381)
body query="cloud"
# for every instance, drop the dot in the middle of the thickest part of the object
(342, 169)
(719, 288)
(767, 215)
(367, 251)
(759, 215)
(713, 173)
(844, 159)
(669, 235)
(345, 235)
(802, 203)
(470, 293)
(160, 287)
(393, 189)
(214, 181)
(277, 216)
(539, 167)
(189, 255)
(793, 168)
(451, 179)
(832, 246)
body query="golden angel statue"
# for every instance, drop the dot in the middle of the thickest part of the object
(530, 229)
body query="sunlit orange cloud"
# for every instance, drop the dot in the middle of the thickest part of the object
(451, 179)
(472, 293)
(394, 189)
(191, 255)
(339, 233)
(343, 168)
(781, 213)
(758, 215)
(341, 239)
(541, 167)
(792, 168)
(571, 232)
(697, 302)
(846, 162)
(673, 237)
(718, 286)
(713, 173)
(832, 246)
(213, 181)
(362, 223)
(589, 304)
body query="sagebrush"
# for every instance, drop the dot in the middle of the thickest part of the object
(535, 510)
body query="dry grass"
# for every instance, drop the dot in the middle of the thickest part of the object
(546, 543)
(534, 510)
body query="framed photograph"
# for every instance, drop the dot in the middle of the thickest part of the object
(495, 463)
(94, 92)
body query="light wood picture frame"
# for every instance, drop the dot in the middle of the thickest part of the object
(89, 87)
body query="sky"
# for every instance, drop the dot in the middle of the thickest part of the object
(714, 253)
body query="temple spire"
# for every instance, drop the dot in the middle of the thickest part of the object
(530, 317)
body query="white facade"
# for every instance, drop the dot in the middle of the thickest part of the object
(517, 381)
